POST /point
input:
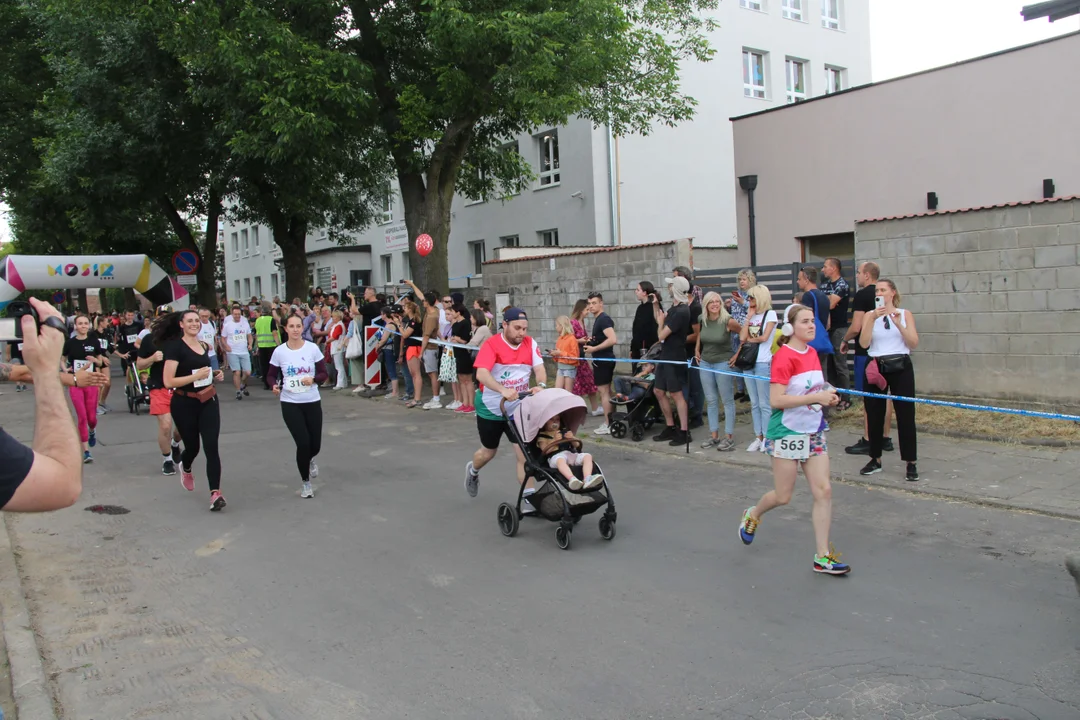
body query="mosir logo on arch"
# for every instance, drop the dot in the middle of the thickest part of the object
(104, 270)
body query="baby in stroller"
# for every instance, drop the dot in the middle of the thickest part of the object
(562, 449)
(631, 389)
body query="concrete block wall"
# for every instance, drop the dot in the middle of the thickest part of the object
(996, 297)
(546, 287)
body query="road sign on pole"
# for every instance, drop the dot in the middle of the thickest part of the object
(185, 262)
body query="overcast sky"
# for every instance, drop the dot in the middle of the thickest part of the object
(907, 36)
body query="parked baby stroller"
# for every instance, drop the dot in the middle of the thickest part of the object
(553, 499)
(135, 389)
(638, 415)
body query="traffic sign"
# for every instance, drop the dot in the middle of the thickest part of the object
(185, 262)
(58, 298)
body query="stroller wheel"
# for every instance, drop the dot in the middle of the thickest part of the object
(638, 432)
(619, 429)
(563, 537)
(508, 520)
(607, 527)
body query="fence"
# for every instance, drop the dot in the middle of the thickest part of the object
(782, 280)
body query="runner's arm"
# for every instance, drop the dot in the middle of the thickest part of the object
(321, 373)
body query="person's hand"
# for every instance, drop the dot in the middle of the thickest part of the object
(219, 376)
(843, 347)
(307, 381)
(202, 373)
(588, 349)
(43, 346)
(697, 356)
(509, 394)
(828, 398)
(158, 356)
(655, 299)
(731, 362)
(534, 390)
(88, 378)
(277, 389)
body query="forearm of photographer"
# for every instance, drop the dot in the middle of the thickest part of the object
(54, 477)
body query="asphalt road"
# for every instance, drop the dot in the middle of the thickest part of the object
(392, 594)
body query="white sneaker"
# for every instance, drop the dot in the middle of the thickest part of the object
(358, 389)
(575, 484)
(442, 391)
(454, 405)
(433, 404)
(526, 506)
(598, 411)
(754, 446)
(602, 430)
(313, 470)
(308, 491)
(762, 449)
(594, 481)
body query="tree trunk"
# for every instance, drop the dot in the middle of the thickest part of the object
(292, 239)
(80, 296)
(428, 213)
(207, 272)
(130, 302)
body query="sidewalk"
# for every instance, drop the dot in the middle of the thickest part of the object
(1013, 476)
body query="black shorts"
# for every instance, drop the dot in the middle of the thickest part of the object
(671, 378)
(491, 432)
(603, 371)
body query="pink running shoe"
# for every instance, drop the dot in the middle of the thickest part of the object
(187, 479)
(217, 501)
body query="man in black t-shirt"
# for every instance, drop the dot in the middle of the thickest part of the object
(601, 347)
(160, 404)
(695, 392)
(862, 307)
(836, 290)
(671, 377)
(125, 341)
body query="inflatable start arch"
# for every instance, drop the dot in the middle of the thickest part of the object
(19, 273)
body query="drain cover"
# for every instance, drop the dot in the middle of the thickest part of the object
(108, 510)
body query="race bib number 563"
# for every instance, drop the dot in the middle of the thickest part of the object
(792, 447)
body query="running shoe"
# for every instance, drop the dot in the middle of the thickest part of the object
(176, 453)
(168, 467)
(187, 479)
(598, 411)
(526, 506)
(87, 458)
(830, 564)
(467, 409)
(307, 491)
(217, 501)
(107, 408)
(755, 446)
(243, 389)
(594, 481)
(870, 468)
(710, 443)
(604, 429)
(101, 411)
(239, 395)
(748, 527)
(725, 445)
(912, 473)
(575, 484)
(472, 479)
(313, 470)
(92, 441)
(666, 434)
(454, 405)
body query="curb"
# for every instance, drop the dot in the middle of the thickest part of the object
(33, 700)
(907, 489)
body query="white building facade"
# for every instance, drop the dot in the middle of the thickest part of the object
(593, 189)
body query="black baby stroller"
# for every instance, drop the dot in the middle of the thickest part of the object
(136, 391)
(553, 499)
(637, 416)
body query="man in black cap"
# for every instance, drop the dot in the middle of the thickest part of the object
(512, 357)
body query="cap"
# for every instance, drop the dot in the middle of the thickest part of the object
(678, 284)
(397, 310)
(513, 314)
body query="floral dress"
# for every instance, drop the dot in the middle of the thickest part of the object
(583, 383)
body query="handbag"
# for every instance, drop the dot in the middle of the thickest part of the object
(355, 348)
(892, 363)
(821, 342)
(746, 358)
(447, 366)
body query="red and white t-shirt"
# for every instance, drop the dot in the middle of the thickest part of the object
(510, 366)
(801, 373)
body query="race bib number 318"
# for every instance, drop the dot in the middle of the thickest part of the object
(792, 447)
(296, 384)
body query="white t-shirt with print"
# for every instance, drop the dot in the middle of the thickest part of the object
(236, 334)
(755, 326)
(294, 365)
(206, 334)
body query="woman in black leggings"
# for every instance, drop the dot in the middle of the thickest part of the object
(194, 403)
(297, 368)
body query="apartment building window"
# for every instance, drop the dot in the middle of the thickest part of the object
(258, 287)
(510, 241)
(235, 246)
(388, 269)
(275, 286)
(236, 290)
(796, 79)
(549, 238)
(255, 241)
(247, 290)
(406, 269)
(479, 196)
(751, 4)
(834, 79)
(244, 242)
(792, 9)
(479, 255)
(753, 71)
(549, 159)
(387, 206)
(830, 14)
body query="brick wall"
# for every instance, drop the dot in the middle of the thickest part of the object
(996, 297)
(546, 287)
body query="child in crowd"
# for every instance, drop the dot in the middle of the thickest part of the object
(632, 389)
(565, 354)
(563, 450)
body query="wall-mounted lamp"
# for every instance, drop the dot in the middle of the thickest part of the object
(931, 201)
(579, 195)
(1048, 188)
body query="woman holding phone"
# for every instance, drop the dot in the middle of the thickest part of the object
(889, 337)
(194, 405)
(297, 368)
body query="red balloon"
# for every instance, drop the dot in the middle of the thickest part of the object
(424, 245)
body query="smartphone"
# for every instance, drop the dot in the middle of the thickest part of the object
(879, 302)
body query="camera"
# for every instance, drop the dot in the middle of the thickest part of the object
(11, 326)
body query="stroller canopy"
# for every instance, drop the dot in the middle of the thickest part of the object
(536, 410)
